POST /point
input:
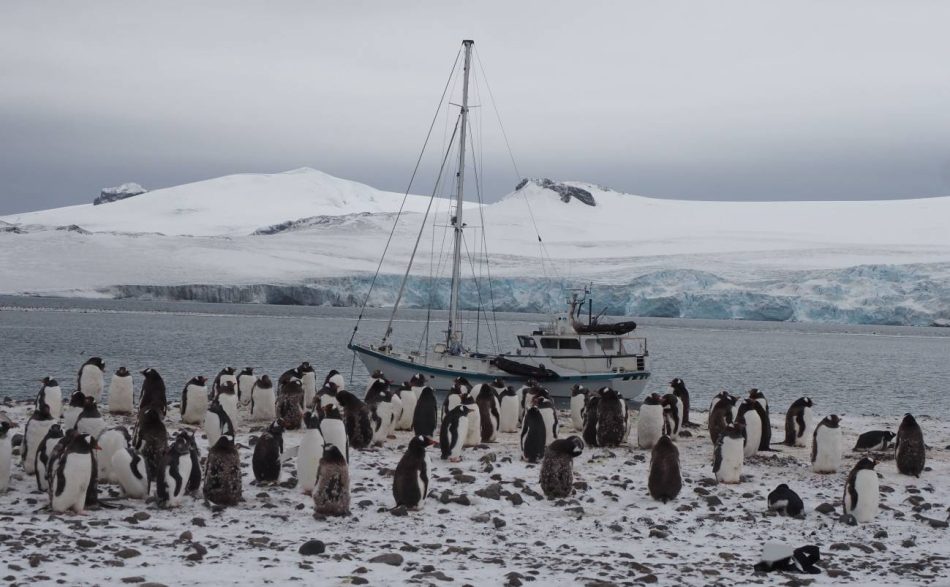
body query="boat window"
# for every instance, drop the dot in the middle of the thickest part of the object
(549, 343)
(527, 342)
(606, 343)
(570, 343)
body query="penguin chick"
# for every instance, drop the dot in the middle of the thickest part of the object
(557, 468)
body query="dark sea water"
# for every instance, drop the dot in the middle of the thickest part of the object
(860, 370)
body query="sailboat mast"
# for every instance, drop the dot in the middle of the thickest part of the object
(454, 334)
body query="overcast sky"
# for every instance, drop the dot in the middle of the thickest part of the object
(713, 100)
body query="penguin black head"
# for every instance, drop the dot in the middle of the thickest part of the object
(865, 463)
(330, 375)
(832, 421)
(199, 380)
(151, 374)
(653, 399)
(332, 454)
(89, 403)
(97, 361)
(419, 443)
(418, 380)
(908, 420)
(462, 381)
(754, 393)
(227, 371)
(276, 427)
(49, 382)
(305, 367)
(808, 402)
(180, 445)
(311, 419)
(578, 390)
(122, 372)
(190, 438)
(247, 371)
(676, 382)
(264, 382)
(498, 383)
(572, 446)
(225, 444)
(77, 399)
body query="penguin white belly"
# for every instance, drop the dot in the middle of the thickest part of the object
(456, 453)
(869, 496)
(135, 487)
(334, 433)
(110, 442)
(649, 425)
(308, 459)
(395, 414)
(753, 432)
(120, 395)
(409, 397)
(91, 382)
(54, 399)
(77, 474)
(473, 434)
(42, 468)
(510, 411)
(70, 416)
(807, 417)
(264, 404)
(520, 395)
(309, 383)
(229, 402)
(184, 471)
(423, 488)
(197, 405)
(35, 433)
(245, 383)
(212, 428)
(550, 426)
(6, 461)
(381, 426)
(91, 426)
(828, 450)
(453, 401)
(730, 469)
(577, 412)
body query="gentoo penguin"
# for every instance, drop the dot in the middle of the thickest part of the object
(110, 441)
(665, 481)
(721, 414)
(54, 450)
(308, 380)
(533, 435)
(488, 412)
(379, 401)
(174, 473)
(289, 405)
(557, 468)
(6, 455)
(509, 410)
(331, 496)
(44, 453)
(90, 421)
(578, 402)
(678, 388)
(90, 378)
(74, 472)
(826, 446)
(411, 480)
(910, 448)
(786, 502)
(222, 479)
(453, 433)
(334, 430)
(77, 401)
(265, 462)
(474, 435)
(309, 452)
(130, 471)
(611, 413)
(151, 440)
(36, 428)
(798, 422)
(194, 480)
(549, 414)
(245, 381)
(224, 376)
(153, 393)
(749, 416)
(408, 396)
(263, 400)
(121, 391)
(426, 415)
(672, 415)
(729, 454)
(762, 409)
(782, 557)
(194, 400)
(217, 424)
(650, 422)
(227, 397)
(862, 493)
(356, 419)
(51, 395)
(874, 440)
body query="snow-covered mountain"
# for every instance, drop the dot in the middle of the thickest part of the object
(307, 237)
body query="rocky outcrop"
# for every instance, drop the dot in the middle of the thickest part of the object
(562, 189)
(120, 192)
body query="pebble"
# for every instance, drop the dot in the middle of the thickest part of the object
(312, 547)
(128, 553)
(392, 558)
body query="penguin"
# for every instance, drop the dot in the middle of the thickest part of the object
(153, 393)
(54, 453)
(426, 415)
(678, 388)
(121, 392)
(786, 502)
(245, 382)
(874, 440)
(862, 493)
(331, 496)
(509, 410)
(453, 433)
(265, 462)
(762, 409)
(6, 455)
(310, 452)
(665, 480)
(533, 435)
(826, 446)
(288, 376)
(549, 414)
(729, 454)
(90, 379)
(488, 410)
(798, 422)
(223, 377)
(527, 393)
(227, 397)
(73, 475)
(612, 418)
(356, 420)
(90, 421)
(36, 428)
(174, 474)
(308, 380)
(750, 418)
(110, 441)
(131, 473)
(263, 400)
(289, 405)
(578, 401)
(411, 480)
(43, 454)
(758, 396)
(783, 558)
(336, 379)
(52, 395)
(194, 400)
(222, 478)
(379, 401)
(217, 424)
(650, 422)
(672, 415)
(910, 449)
(334, 430)
(77, 401)
(151, 440)
(721, 414)
(557, 467)
(326, 396)
(408, 396)
(452, 399)
(194, 480)
(474, 433)
(591, 417)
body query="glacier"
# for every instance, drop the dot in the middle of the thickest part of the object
(305, 237)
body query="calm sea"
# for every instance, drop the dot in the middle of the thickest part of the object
(862, 370)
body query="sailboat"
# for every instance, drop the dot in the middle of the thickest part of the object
(560, 354)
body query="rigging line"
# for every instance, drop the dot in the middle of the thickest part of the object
(481, 213)
(405, 196)
(478, 292)
(415, 248)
